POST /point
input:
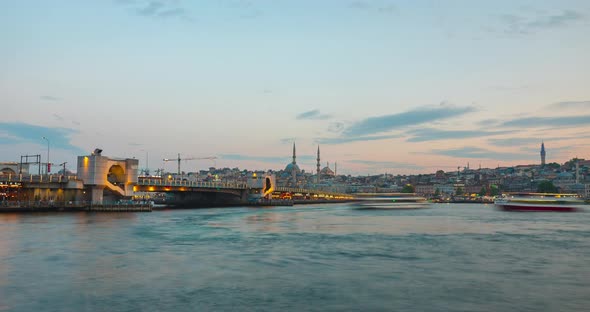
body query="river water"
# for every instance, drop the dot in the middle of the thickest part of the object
(327, 257)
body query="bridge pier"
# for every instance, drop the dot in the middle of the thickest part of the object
(96, 194)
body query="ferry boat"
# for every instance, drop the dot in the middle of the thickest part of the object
(390, 201)
(539, 202)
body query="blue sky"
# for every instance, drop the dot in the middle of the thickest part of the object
(383, 86)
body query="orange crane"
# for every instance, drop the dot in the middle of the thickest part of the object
(189, 158)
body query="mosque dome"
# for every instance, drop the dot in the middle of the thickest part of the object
(326, 171)
(565, 175)
(291, 166)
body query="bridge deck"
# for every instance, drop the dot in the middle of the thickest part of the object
(165, 185)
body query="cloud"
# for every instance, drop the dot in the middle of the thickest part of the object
(6, 138)
(480, 153)
(336, 127)
(313, 115)
(489, 122)
(429, 134)
(341, 140)
(536, 141)
(551, 150)
(510, 142)
(386, 164)
(510, 88)
(20, 132)
(520, 25)
(360, 5)
(256, 158)
(287, 140)
(570, 104)
(158, 9)
(269, 159)
(537, 122)
(49, 98)
(385, 8)
(373, 125)
(58, 117)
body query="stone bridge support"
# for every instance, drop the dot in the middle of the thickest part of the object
(102, 176)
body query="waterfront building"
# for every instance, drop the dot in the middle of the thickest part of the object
(425, 189)
(444, 188)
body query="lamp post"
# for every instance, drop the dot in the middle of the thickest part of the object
(147, 169)
(48, 168)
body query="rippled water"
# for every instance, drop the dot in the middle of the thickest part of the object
(319, 258)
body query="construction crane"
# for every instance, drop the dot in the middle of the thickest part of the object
(189, 158)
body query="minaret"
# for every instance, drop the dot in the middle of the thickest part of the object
(542, 153)
(293, 171)
(318, 166)
(335, 168)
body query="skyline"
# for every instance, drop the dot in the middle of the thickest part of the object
(381, 86)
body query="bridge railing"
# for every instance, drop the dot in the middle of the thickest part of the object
(35, 178)
(194, 184)
(310, 191)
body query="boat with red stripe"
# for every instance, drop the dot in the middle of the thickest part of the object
(540, 202)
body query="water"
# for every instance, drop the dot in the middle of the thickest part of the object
(302, 258)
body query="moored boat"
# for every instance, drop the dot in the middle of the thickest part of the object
(390, 201)
(539, 202)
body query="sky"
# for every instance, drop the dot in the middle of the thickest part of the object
(397, 87)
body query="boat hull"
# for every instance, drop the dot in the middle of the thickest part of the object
(391, 206)
(540, 208)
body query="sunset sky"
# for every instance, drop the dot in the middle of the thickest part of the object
(382, 86)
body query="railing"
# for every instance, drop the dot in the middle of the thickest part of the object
(33, 178)
(231, 185)
(194, 184)
(42, 203)
(309, 191)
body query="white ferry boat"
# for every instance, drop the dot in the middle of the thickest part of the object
(539, 202)
(390, 201)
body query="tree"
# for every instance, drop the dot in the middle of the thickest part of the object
(437, 192)
(547, 187)
(459, 191)
(408, 188)
(494, 191)
(483, 191)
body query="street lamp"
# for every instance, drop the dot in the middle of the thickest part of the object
(48, 169)
(147, 169)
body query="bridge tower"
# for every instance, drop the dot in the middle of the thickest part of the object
(100, 173)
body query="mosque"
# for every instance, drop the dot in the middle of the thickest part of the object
(292, 173)
(294, 176)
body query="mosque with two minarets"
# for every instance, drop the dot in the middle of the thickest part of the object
(293, 176)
